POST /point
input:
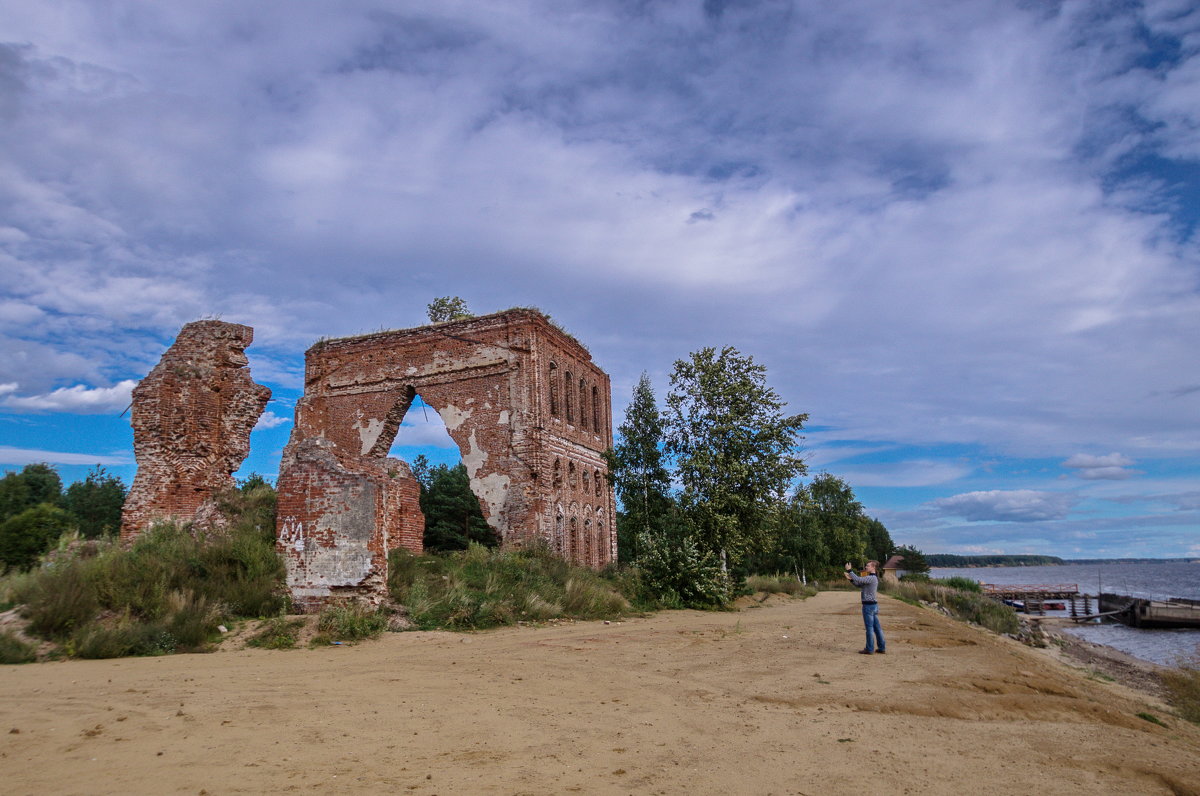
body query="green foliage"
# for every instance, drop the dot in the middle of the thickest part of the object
(25, 536)
(734, 449)
(482, 587)
(168, 592)
(968, 606)
(1183, 689)
(678, 570)
(14, 650)
(453, 518)
(960, 583)
(279, 633)
(352, 622)
(96, 503)
(914, 560)
(35, 484)
(638, 472)
(447, 308)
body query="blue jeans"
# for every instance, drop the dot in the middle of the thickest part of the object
(871, 621)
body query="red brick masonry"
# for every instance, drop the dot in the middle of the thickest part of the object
(523, 401)
(192, 417)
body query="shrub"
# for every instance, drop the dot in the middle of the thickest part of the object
(678, 573)
(14, 650)
(1183, 689)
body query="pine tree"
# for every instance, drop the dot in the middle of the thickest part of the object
(453, 518)
(639, 476)
(96, 502)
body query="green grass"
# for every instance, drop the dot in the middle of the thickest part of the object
(350, 623)
(968, 606)
(1183, 689)
(779, 584)
(1150, 717)
(167, 593)
(483, 587)
(280, 633)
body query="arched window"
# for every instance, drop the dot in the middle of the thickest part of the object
(572, 481)
(597, 478)
(553, 388)
(574, 540)
(596, 410)
(588, 547)
(587, 482)
(559, 544)
(583, 412)
(557, 480)
(570, 403)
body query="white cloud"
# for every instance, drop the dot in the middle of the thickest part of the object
(914, 473)
(23, 456)
(79, 399)
(1020, 505)
(269, 419)
(422, 426)
(1113, 467)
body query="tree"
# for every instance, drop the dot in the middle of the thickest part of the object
(734, 448)
(36, 483)
(637, 472)
(447, 308)
(914, 560)
(879, 541)
(27, 535)
(96, 502)
(453, 518)
(832, 514)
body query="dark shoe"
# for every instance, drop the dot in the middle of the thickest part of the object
(881, 652)
(864, 652)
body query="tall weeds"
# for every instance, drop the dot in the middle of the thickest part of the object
(483, 587)
(969, 606)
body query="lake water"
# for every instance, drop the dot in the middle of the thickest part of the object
(1148, 581)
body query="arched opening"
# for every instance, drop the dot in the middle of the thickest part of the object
(596, 410)
(450, 510)
(583, 412)
(570, 402)
(553, 377)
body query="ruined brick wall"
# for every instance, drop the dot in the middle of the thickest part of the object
(192, 417)
(343, 504)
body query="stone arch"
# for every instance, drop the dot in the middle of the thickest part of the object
(553, 378)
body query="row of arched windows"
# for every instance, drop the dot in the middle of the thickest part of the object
(583, 540)
(591, 480)
(577, 400)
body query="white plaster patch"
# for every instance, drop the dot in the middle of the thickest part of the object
(503, 417)
(474, 458)
(453, 417)
(494, 490)
(411, 370)
(368, 433)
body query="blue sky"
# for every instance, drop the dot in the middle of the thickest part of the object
(961, 236)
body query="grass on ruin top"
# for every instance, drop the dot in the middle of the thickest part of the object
(483, 587)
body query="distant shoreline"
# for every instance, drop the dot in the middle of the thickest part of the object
(952, 561)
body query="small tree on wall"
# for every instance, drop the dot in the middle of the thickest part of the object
(448, 308)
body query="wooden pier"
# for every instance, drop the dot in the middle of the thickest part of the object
(1032, 598)
(1136, 612)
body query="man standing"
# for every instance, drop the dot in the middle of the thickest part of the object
(869, 584)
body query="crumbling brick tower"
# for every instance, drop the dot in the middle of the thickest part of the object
(523, 401)
(192, 417)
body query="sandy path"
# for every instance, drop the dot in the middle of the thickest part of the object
(769, 700)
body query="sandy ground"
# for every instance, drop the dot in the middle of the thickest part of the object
(773, 699)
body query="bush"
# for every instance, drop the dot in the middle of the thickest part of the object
(14, 650)
(482, 587)
(27, 535)
(678, 573)
(1183, 689)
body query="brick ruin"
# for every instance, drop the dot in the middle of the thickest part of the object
(523, 401)
(192, 417)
